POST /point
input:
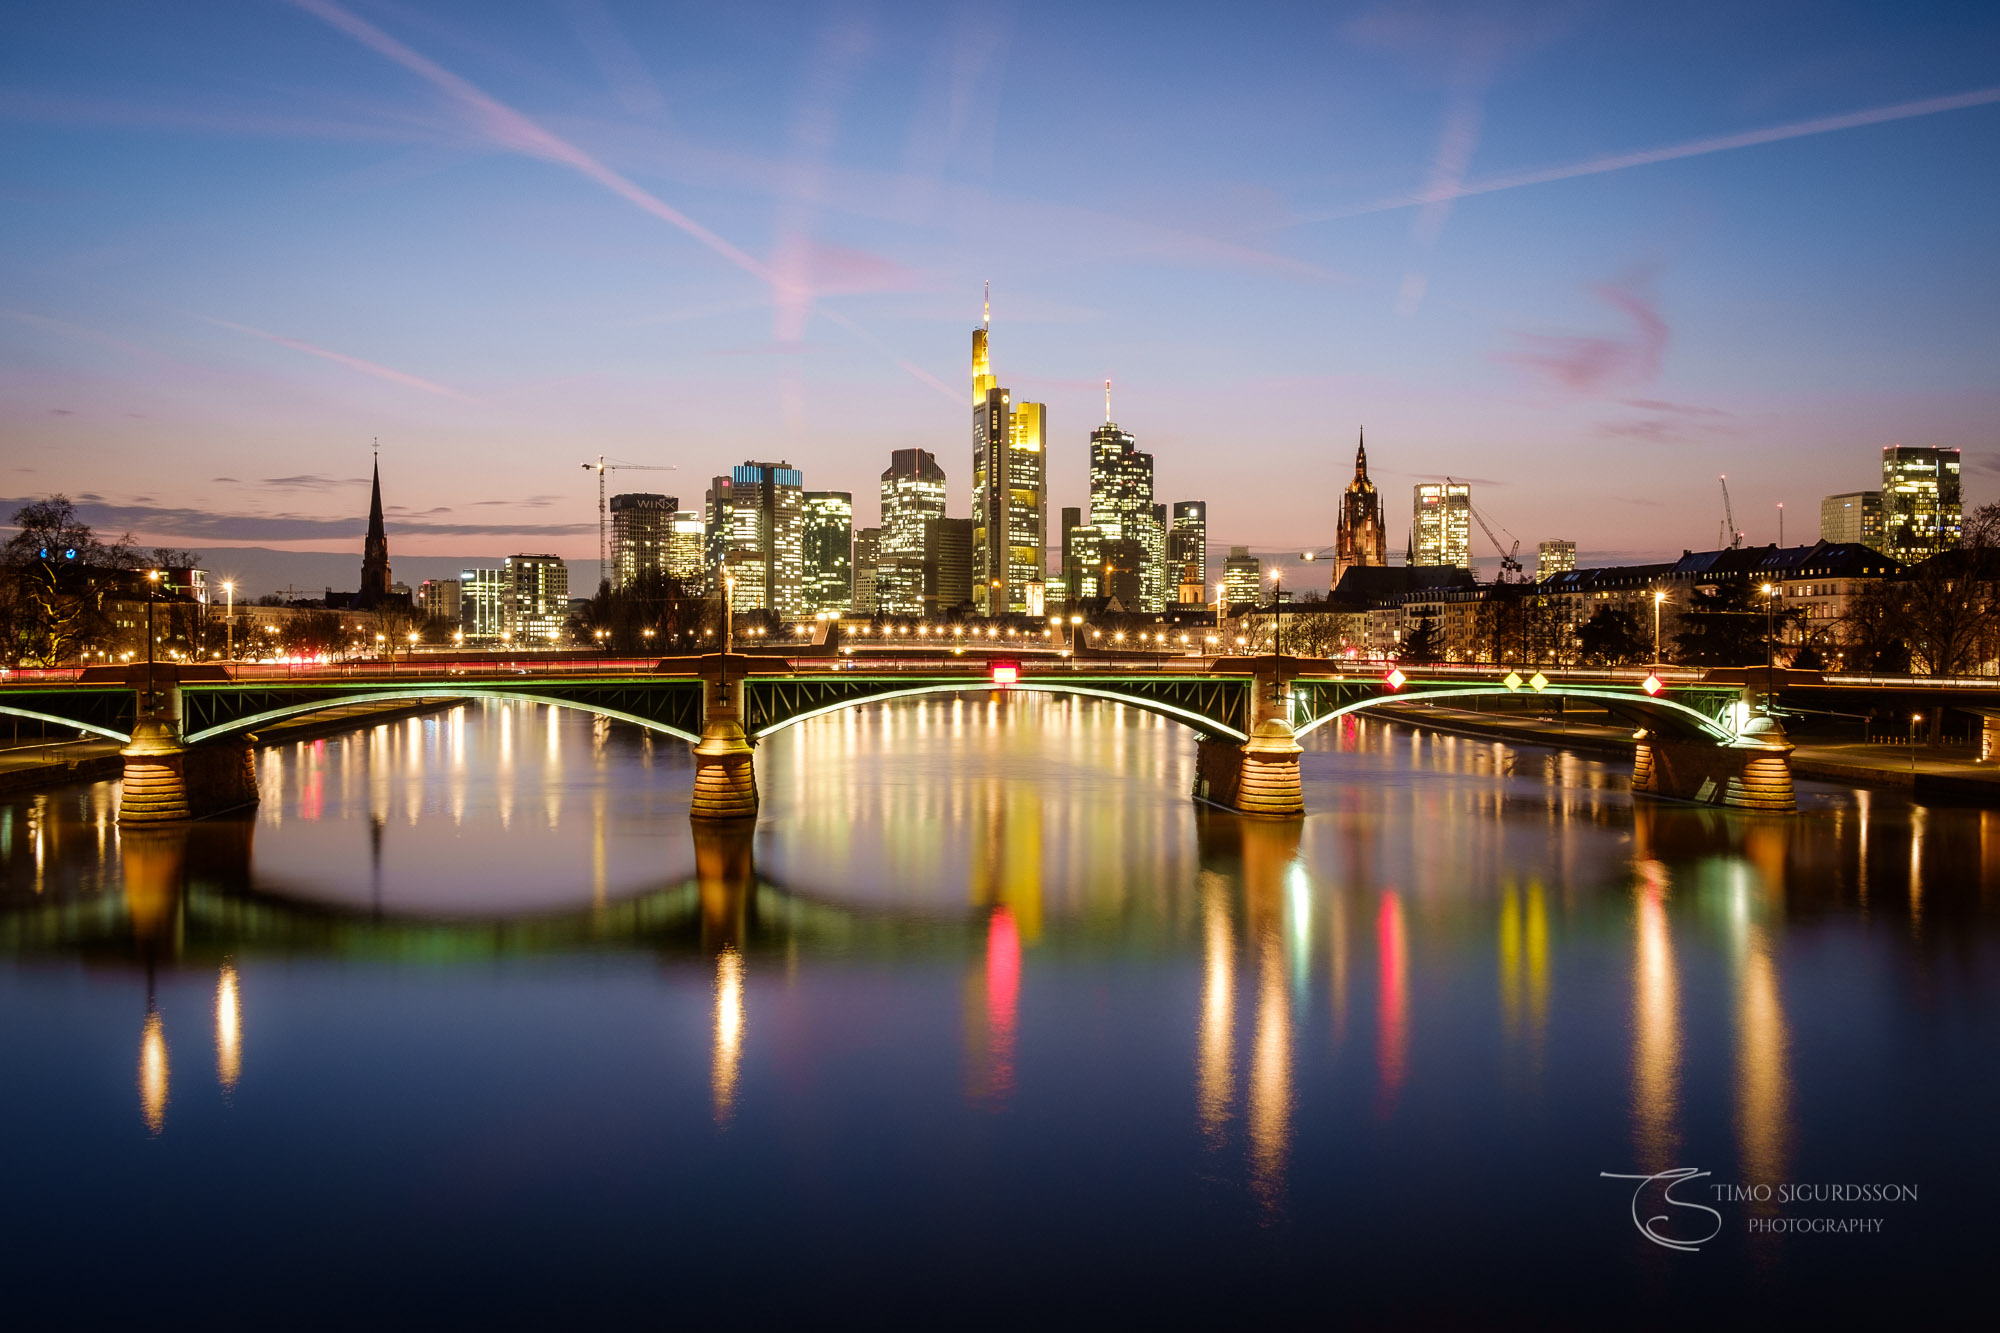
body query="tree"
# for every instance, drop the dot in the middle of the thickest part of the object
(676, 612)
(55, 574)
(1612, 637)
(313, 634)
(1874, 632)
(1423, 643)
(1725, 626)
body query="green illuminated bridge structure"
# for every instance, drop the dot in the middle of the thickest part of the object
(188, 731)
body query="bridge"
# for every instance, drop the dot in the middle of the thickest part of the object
(188, 731)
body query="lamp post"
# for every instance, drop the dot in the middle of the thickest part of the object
(229, 618)
(1658, 597)
(152, 587)
(1278, 606)
(1770, 640)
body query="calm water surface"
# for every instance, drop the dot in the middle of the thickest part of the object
(985, 1022)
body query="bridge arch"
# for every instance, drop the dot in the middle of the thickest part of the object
(419, 694)
(1199, 722)
(1680, 714)
(123, 737)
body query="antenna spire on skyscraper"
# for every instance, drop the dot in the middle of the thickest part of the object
(986, 318)
(1107, 402)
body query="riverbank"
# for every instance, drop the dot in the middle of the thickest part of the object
(1938, 775)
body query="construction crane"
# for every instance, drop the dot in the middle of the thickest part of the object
(600, 467)
(1510, 558)
(1728, 537)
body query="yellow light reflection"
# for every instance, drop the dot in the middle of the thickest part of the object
(153, 1073)
(1656, 1041)
(1763, 1087)
(228, 1030)
(728, 1033)
(1214, 1075)
(1271, 1077)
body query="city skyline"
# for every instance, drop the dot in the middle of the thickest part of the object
(1590, 392)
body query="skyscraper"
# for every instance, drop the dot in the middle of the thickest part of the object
(641, 526)
(1921, 511)
(829, 551)
(913, 496)
(1362, 538)
(767, 522)
(1441, 527)
(1555, 557)
(374, 551)
(537, 605)
(1156, 581)
(1121, 504)
(718, 523)
(1187, 552)
(482, 604)
(947, 564)
(687, 544)
(867, 548)
(1242, 578)
(1855, 516)
(1009, 491)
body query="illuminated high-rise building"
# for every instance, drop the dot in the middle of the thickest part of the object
(641, 530)
(1854, 517)
(1441, 526)
(1121, 504)
(829, 552)
(1187, 552)
(482, 604)
(1009, 492)
(867, 549)
(1362, 538)
(913, 497)
(1156, 581)
(537, 600)
(1921, 510)
(718, 523)
(687, 546)
(767, 520)
(1555, 557)
(1242, 578)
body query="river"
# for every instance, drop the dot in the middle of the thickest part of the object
(986, 1022)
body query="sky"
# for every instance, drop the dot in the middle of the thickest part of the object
(1587, 256)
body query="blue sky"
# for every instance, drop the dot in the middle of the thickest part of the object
(239, 241)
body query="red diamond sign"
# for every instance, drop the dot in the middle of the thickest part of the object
(1395, 678)
(1652, 684)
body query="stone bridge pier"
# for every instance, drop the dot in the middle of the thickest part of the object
(725, 768)
(1752, 772)
(1259, 776)
(166, 780)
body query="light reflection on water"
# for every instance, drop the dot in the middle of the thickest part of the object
(1458, 933)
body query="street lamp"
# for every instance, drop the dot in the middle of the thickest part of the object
(1770, 639)
(152, 589)
(229, 617)
(1658, 598)
(1278, 606)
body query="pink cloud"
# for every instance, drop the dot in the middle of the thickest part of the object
(1593, 364)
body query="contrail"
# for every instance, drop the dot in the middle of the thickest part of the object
(394, 376)
(1722, 143)
(509, 127)
(514, 130)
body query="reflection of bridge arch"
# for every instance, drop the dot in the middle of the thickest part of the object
(1679, 715)
(1199, 721)
(582, 701)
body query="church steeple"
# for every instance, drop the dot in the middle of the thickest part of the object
(374, 549)
(1361, 457)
